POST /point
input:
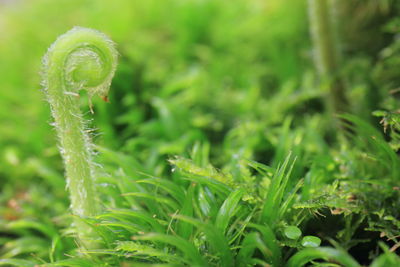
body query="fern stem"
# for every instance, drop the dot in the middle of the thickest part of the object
(326, 52)
(80, 59)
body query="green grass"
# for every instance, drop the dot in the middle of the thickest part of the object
(217, 148)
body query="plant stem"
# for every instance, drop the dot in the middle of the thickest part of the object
(326, 53)
(80, 59)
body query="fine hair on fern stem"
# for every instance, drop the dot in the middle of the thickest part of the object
(79, 59)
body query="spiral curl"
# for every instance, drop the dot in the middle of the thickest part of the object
(82, 58)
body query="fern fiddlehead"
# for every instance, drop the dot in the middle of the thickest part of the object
(79, 59)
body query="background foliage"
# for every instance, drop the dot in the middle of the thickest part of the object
(216, 139)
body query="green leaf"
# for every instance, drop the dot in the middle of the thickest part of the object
(276, 190)
(46, 229)
(207, 176)
(17, 262)
(73, 263)
(228, 210)
(130, 227)
(387, 258)
(188, 249)
(271, 242)
(159, 199)
(24, 245)
(310, 241)
(328, 254)
(139, 217)
(174, 190)
(145, 252)
(250, 243)
(215, 238)
(185, 229)
(292, 232)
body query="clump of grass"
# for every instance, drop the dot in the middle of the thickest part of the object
(236, 212)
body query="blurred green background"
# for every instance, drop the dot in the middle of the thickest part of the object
(235, 79)
(189, 70)
(196, 70)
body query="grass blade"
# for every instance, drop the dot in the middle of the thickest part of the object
(250, 243)
(228, 210)
(276, 190)
(302, 257)
(17, 262)
(189, 251)
(215, 238)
